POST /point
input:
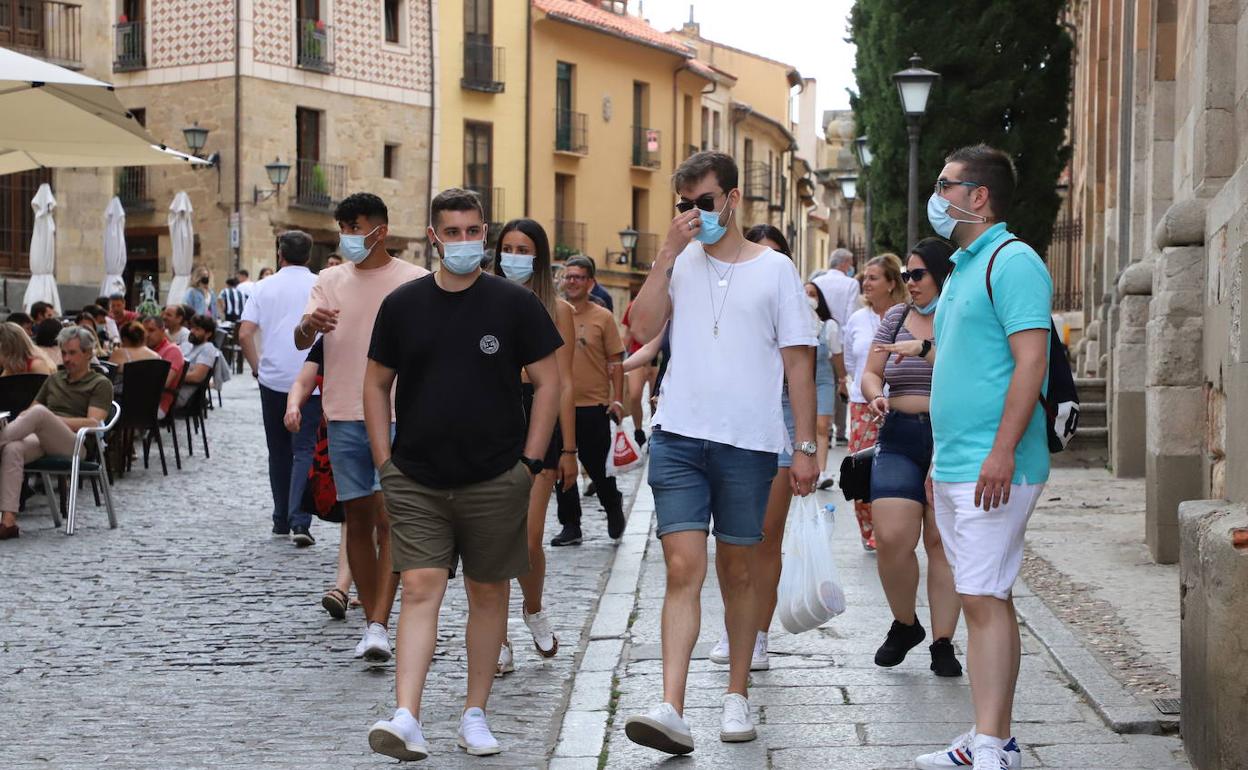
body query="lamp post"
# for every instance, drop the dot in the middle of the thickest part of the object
(278, 173)
(914, 85)
(628, 239)
(196, 137)
(849, 191)
(864, 159)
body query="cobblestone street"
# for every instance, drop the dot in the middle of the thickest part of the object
(191, 637)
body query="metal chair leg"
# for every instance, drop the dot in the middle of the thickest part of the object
(95, 491)
(72, 511)
(51, 494)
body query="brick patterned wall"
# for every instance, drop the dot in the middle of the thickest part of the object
(274, 31)
(199, 32)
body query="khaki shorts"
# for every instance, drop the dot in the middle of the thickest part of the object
(485, 525)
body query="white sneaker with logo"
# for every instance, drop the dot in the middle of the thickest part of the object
(506, 660)
(400, 737)
(735, 724)
(475, 736)
(759, 661)
(376, 643)
(660, 728)
(960, 753)
(544, 638)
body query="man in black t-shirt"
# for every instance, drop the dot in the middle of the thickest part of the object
(456, 480)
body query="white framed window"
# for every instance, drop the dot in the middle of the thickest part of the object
(394, 22)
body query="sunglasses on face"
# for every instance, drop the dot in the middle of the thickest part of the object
(915, 275)
(703, 202)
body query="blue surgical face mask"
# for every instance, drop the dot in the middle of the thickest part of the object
(462, 257)
(929, 308)
(942, 221)
(711, 230)
(849, 273)
(352, 247)
(517, 267)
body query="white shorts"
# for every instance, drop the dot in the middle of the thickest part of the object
(984, 548)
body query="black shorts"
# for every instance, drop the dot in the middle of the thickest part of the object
(553, 450)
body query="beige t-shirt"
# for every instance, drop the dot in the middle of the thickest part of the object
(356, 294)
(597, 340)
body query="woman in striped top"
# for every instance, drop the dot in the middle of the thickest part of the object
(901, 510)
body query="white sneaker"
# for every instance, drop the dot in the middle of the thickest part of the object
(960, 754)
(759, 660)
(719, 653)
(360, 645)
(400, 737)
(475, 736)
(990, 756)
(376, 643)
(825, 481)
(660, 728)
(544, 638)
(735, 725)
(506, 660)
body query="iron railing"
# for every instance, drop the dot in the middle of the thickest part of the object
(133, 189)
(129, 48)
(758, 181)
(646, 250)
(1065, 259)
(645, 147)
(492, 202)
(48, 29)
(571, 132)
(569, 238)
(314, 45)
(483, 67)
(318, 185)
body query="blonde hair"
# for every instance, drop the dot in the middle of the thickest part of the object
(16, 349)
(891, 265)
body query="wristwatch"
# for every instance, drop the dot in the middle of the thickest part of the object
(807, 448)
(534, 466)
(925, 348)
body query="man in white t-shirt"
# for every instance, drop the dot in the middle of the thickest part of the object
(740, 326)
(843, 294)
(272, 311)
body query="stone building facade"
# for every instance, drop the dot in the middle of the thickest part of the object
(1160, 177)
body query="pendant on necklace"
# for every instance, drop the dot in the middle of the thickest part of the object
(715, 330)
(723, 282)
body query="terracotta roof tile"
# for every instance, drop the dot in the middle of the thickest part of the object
(628, 27)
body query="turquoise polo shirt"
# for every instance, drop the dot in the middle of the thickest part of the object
(973, 359)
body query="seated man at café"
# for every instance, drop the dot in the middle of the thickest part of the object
(41, 311)
(108, 333)
(200, 355)
(175, 324)
(71, 399)
(154, 327)
(117, 310)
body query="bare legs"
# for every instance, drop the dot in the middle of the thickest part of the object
(823, 425)
(685, 556)
(898, 525)
(342, 576)
(992, 657)
(734, 565)
(533, 581)
(368, 554)
(767, 553)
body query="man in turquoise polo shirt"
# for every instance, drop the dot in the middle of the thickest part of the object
(991, 447)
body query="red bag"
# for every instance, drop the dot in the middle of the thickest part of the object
(625, 454)
(320, 496)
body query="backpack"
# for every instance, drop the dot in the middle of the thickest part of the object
(1061, 406)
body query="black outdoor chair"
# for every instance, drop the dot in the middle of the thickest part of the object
(143, 383)
(76, 466)
(192, 413)
(17, 391)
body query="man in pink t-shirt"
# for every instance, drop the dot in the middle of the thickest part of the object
(342, 307)
(159, 341)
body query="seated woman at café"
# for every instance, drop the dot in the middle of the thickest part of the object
(87, 321)
(18, 354)
(45, 339)
(133, 346)
(71, 399)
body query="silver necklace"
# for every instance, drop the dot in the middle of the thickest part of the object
(724, 282)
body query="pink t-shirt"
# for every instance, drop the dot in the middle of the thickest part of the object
(356, 294)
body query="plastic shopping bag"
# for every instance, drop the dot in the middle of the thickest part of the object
(625, 453)
(809, 594)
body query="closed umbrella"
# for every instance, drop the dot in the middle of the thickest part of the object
(42, 286)
(182, 236)
(114, 249)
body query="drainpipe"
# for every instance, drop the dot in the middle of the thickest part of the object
(433, 110)
(528, 102)
(238, 130)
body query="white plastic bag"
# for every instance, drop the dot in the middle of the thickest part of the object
(809, 594)
(625, 453)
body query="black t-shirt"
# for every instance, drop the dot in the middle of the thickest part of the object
(316, 355)
(458, 356)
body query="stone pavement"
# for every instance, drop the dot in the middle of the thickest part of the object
(825, 703)
(190, 637)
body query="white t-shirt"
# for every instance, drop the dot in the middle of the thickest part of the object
(727, 388)
(858, 336)
(842, 294)
(276, 306)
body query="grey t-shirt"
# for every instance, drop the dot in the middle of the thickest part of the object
(204, 353)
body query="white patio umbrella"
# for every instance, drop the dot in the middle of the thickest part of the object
(182, 236)
(114, 249)
(57, 118)
(42, 286)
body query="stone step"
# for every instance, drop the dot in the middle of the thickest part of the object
(1092, 416)
(1089, 437)
(1091, 390)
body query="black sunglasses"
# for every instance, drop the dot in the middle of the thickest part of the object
(915, 275)
(704, 202)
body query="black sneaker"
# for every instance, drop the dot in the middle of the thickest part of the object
(569, 536)
(591, 490)
(280, 531)
(301, 537)
(615, 522)
(944, 663)
(900, 640)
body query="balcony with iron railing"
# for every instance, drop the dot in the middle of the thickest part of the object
(483, 67)
(319, 186)
(758, 181)
(645, 251)
(492, 202)
(133, 189)
(314, 45)
(645, 147)
(48, 29)
(569, 238)
(571, 132)
(129, 47)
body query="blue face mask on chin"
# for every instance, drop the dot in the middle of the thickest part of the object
(929, 308)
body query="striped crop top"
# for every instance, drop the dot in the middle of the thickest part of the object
(913, 375)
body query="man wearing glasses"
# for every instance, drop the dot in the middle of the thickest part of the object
(740, 326)
(598, 377)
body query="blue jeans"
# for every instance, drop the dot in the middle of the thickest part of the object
(290, 457)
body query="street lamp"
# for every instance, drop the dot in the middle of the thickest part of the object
(849, 191)
(864, 159)
(278, 173)
(628, 239)
(196, 138)
(914, 85)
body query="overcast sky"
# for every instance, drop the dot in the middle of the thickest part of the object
(809, 34)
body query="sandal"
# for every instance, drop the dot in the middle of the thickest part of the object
(335, 603)
(9, 531)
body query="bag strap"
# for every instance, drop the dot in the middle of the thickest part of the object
(1044, 403)
(901, 322)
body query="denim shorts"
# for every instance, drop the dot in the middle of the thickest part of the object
(825, 397)
(697, 482)
(351, 459)
(785, 459)
(905, 454)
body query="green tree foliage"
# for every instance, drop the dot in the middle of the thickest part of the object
(1005, 80)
